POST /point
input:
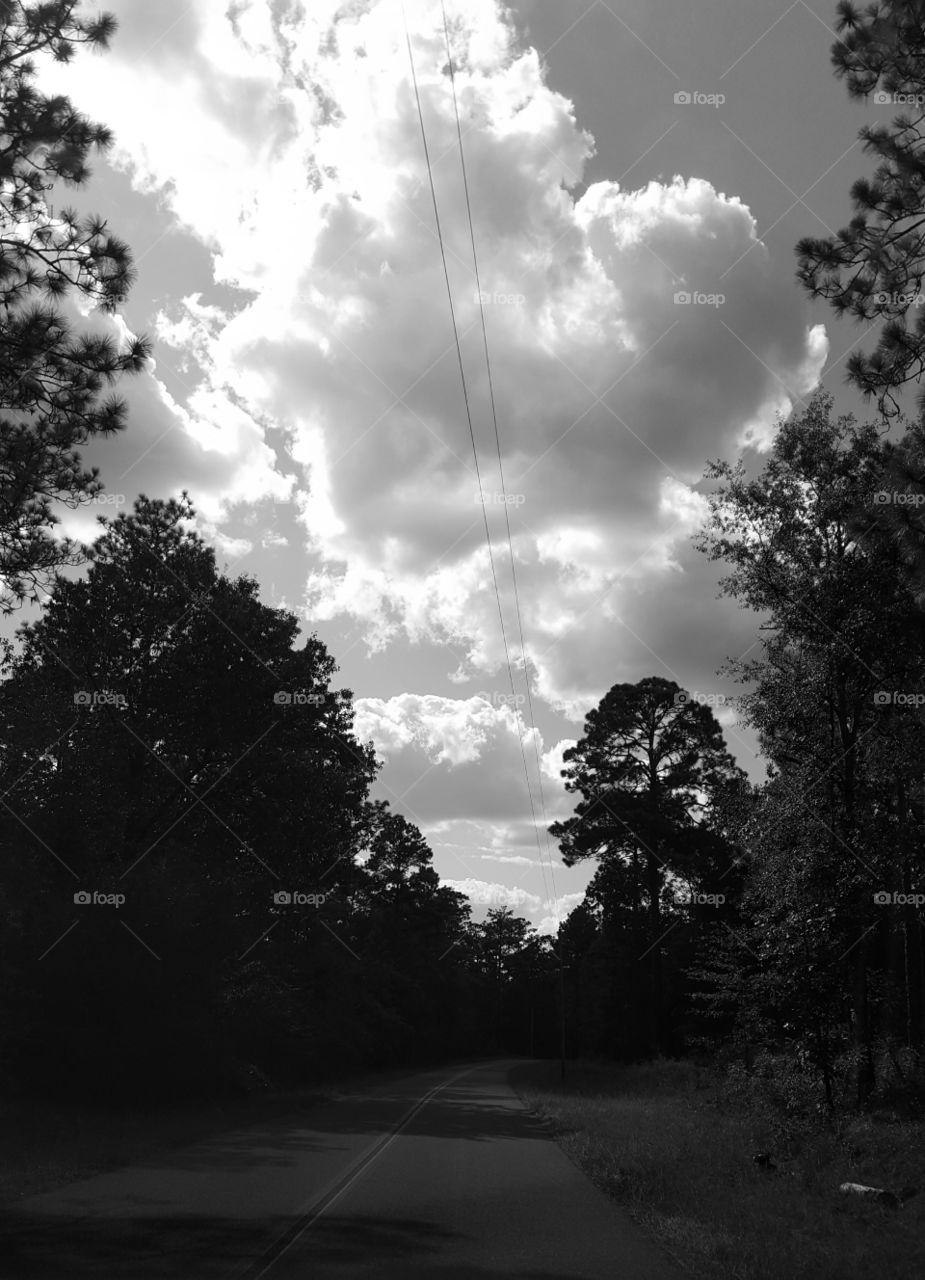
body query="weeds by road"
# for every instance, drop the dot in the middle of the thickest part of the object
(674, 1144)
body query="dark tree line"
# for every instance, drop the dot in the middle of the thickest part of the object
(817, 951)
(811, 939)
(169, 753)
(653, 772)
(196, 890)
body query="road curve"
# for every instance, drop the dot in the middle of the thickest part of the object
(441, 1175)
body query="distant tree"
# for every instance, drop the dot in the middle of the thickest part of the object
(399, 858)
(503, 935)
(51, 378)
(506, 953)
(647, 766)
(874, 268)
(589, 980)
(416, 928)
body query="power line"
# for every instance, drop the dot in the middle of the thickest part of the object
(462, 375)
(494, 415)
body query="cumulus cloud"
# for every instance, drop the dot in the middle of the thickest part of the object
(210, 445)
(634, 333)
(486, 895)
(565, 903)
(305, 178)
(471, 753)
(459, 769)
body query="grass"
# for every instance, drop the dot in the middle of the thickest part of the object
(671, 1144)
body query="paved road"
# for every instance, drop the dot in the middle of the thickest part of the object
(442, 1175)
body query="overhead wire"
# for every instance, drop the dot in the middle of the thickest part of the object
(494, 416)
(462, 375)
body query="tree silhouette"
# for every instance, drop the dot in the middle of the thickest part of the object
(874, 268)
(647, 765)
(51, 378)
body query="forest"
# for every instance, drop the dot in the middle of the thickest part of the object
(173, 752)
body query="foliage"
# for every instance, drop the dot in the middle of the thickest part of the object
(874, 267)
(651, 768)
(51, 377)
(832, 700)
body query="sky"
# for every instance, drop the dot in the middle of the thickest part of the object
(638, 174)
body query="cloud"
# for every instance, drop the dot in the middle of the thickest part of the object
(450, 758)
(566, 904)
(486, 896)
(482, 893)
(210, 445)
(306, 181)
(516, 860)
(633, 334)
(455, 768)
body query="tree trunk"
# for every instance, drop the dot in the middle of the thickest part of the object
(865, 1068)
(825, 1066)
(655, 1011)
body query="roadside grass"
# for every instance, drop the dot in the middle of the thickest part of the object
(671, 1143)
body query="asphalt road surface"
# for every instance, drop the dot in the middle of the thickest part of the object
(442, 1175)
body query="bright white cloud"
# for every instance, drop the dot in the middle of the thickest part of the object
(483, 893)
(286, 139)
(470, 751)
(486, 895)
(565, 903)
(512, 859)
(306, 180)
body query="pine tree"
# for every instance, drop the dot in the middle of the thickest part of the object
(874, 268)
(647, 767)
(51, 377)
